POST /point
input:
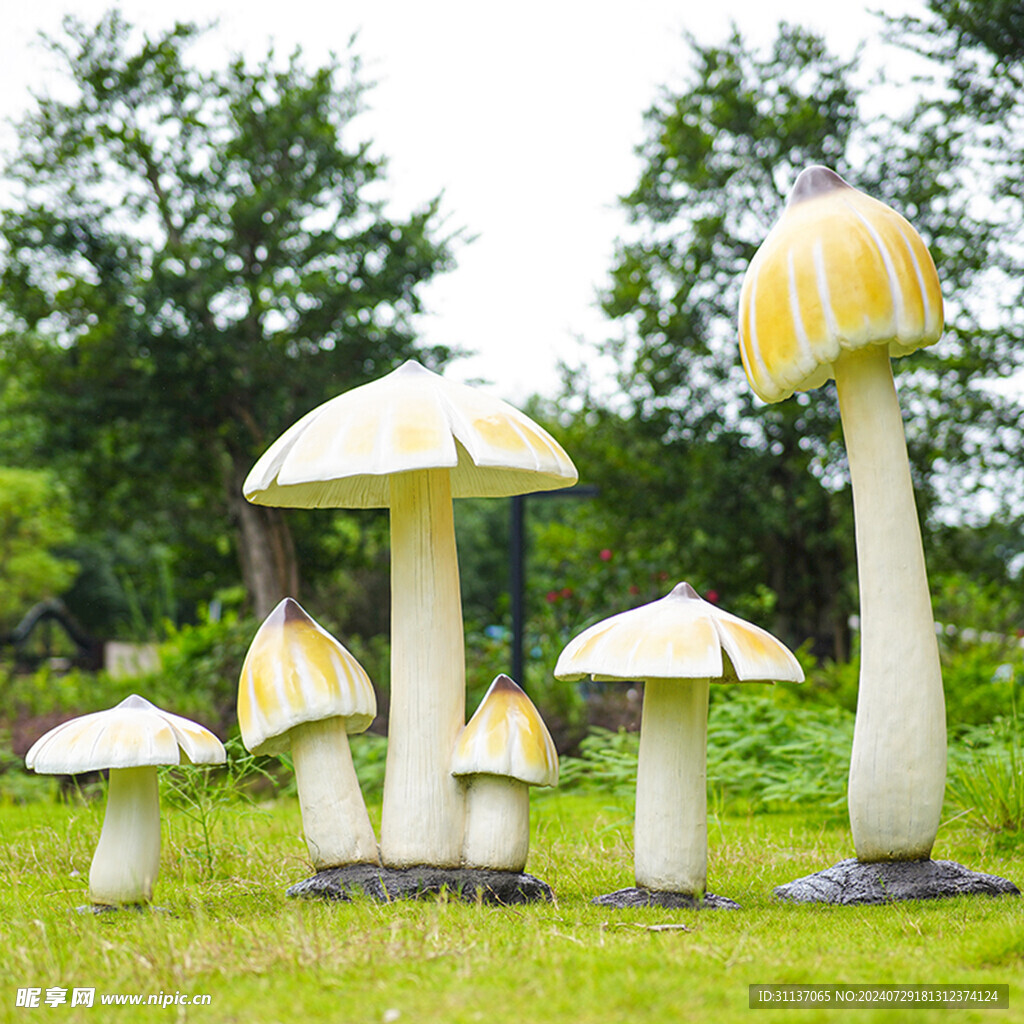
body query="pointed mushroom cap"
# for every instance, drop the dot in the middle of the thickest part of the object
(506, 736)
(679, 636)
(130, 735)
(296, 672)
(341, 454)
(839, 271)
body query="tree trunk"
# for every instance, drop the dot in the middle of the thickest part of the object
(266, 552)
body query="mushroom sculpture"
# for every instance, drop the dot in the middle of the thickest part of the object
(841, 284)
(504, 748)
(677, 646)
(411, 442)
(131, 739)
(302, 690)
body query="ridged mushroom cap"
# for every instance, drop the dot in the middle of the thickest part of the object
(132, 734)
(296, 672)
(680, 636)
(341, 454)
(506, 736)
(839, 271)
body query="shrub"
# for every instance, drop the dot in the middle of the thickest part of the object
(760, 752)
(985, 783)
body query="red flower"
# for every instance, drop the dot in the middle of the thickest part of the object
(711, 596)
(567, 592)
(605, 555)
(552, 596)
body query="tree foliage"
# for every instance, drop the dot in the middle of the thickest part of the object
(742, 495)
(193, 260)
(735, 489)
(960, 160)
(35, 524)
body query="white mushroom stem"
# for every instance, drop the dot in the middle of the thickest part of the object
(127, 858)
(334, 817)
(423, 809)
(898, 764)
(670, 835)
(497, 823)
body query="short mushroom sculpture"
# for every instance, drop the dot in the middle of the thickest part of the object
(504, 748)
(302, 690)
(131, 739)
(412, 441)
(677, 646)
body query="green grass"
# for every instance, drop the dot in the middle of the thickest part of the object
(225, 928)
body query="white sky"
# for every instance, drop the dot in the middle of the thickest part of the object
(526, 117)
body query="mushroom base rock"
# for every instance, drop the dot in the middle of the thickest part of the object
(471, 885)
(637, 896)
(854, 881)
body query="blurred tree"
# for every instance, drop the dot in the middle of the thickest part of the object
(733, 492)
(192, 260)
(959, 159)
(35, 524)
(738, 494)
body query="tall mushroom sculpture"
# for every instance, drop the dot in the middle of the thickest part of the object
(841, 285)
(131, 739)
(677, 645)
(300, 689)
(412, 441)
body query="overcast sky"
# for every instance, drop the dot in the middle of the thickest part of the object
(525, 115)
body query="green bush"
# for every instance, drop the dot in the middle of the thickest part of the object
(198, 678)
(761, 752)
(200, 667)
(985, 781)
(979, 681)
(977, 677)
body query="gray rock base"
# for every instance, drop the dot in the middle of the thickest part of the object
(387, 884)
(853, 881)
(638, 897)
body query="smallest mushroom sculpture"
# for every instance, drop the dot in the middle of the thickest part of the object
(303, 690)
(504, 748)
(131, 739)
(677, 646)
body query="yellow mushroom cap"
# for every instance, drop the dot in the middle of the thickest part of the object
(132, 734)
(839, 271)
(506, 736)
(296, 672)
(680, 636)
(341, 454)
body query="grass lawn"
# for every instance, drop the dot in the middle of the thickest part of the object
(226, 929)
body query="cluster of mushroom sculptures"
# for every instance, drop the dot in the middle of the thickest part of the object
(840, 285)
(411, 442)
(300, 689)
